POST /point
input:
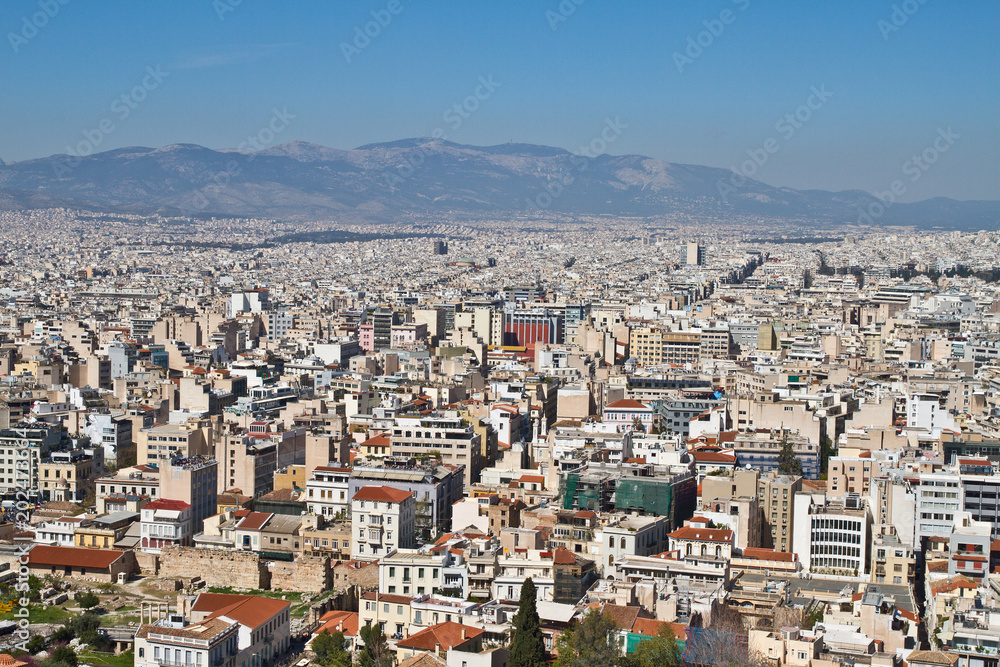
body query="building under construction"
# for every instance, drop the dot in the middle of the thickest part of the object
(667, 491)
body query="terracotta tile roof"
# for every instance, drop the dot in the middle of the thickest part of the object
(423, 660)
(252, 610)
(955, 583)
(769, 554)
(446, 635)
(382, 493)
(647, 627)
(562, 556)
(380, 440)
(626, 404)
(702, 456)
(624, 617)
(166, 504)
(387, 597)
(346, 622)
(703, 534)
(252, 520)
(92, 559)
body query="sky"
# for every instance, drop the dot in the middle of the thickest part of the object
(809, 95)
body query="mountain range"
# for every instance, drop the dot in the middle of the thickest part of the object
(432, 177)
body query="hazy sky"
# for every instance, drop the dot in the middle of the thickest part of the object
(693, 82)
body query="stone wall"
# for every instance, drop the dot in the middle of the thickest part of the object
(238, 569)
(309, 574)
(148, 563)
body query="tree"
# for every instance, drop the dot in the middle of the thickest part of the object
(663, 650)
(788, 463)
(376, 651)
(87, 600)
(591, 643)
(527, 648)
(330, 651)
(35, 644)
(63, 656)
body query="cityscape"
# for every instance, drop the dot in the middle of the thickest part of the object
(482, 398)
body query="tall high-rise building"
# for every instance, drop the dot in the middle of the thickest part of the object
(695, 254)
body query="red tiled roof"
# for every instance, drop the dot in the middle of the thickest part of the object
(92, 559)
(387, 597)
(647, 627)
(166, 504)
(380, 440)
(253, 520)
(713, 457)
(769, 554)
(624, 617)
(626, 404)
(562, 556)
(382, 493)
(252, 610)
(704, 534)
(346, 622)
(444, 636)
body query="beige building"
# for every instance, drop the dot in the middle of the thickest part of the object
(163, 441)
(849, 474)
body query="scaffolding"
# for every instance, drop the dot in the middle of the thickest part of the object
(649, 494)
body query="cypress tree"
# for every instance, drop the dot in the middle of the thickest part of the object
(527, 648)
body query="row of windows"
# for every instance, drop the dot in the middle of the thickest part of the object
(836, 524)
(836, 550)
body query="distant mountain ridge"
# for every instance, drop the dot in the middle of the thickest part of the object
(387, 181)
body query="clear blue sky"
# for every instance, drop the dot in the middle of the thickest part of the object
(224, 76)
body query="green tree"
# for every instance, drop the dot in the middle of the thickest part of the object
(87, 600)
(663, 650)
(591, 643)
(788, 463)
(330, 651)
(526, 647)
(376, 651)
(63, 656)
(35, 644)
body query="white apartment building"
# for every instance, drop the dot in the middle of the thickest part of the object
(164, 523)
(383, 519)
(213, 642)
(939, 497)
(327, 489)
(832, 536)
(451, 437)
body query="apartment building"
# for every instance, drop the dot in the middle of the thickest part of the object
(453, 438)
(383, 519)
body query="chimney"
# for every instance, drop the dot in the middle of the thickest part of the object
(463, 633)
(437, 649)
